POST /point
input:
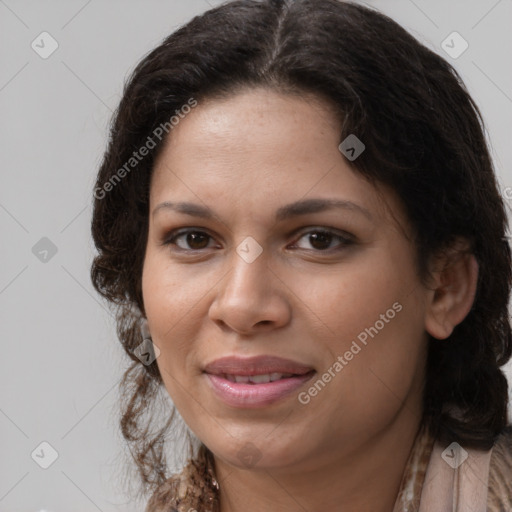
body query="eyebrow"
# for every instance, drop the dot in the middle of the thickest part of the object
(295, 209)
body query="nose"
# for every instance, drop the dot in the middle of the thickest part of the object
(251, 298)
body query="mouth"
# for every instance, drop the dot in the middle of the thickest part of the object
(262, 378)
(257, 381)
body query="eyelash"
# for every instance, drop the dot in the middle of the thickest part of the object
(345, 240)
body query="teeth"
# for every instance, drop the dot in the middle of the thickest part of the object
(257, 379)
(277, 376)
(260, 379)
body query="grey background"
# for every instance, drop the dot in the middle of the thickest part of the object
(61, 362)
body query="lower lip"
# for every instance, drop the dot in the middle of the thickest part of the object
(239, 394)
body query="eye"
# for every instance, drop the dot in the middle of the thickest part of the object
(321, 239)
(195, 239)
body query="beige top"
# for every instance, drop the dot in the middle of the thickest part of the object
(436, 479)
(450, 478)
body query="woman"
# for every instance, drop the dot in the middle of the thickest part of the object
(297, 206)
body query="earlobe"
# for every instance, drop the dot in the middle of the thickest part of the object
(453, 294)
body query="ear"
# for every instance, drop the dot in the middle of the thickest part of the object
(455, 277)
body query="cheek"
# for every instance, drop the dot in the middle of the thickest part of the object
(171, 294)
(351, 299)
(168, 302)
(372, 318)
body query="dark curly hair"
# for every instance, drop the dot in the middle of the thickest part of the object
(424, 138)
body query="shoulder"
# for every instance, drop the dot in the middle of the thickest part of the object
(500, 472)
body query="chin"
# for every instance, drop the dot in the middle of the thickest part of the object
(256, 452)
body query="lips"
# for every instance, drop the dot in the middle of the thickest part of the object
(256, 381)
(260, 365)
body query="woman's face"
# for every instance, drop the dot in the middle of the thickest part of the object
(323, 300)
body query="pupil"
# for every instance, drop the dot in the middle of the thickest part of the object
(322, 237)
(193, 237)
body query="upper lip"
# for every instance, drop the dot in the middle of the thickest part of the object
(259, 365)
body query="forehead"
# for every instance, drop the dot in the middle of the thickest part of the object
(259, 147)
(273, 123)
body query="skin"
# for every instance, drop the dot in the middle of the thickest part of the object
(244, 157)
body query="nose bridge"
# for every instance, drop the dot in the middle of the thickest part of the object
(248, 294)
(248, 269)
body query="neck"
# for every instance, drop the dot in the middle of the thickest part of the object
(366, 479)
